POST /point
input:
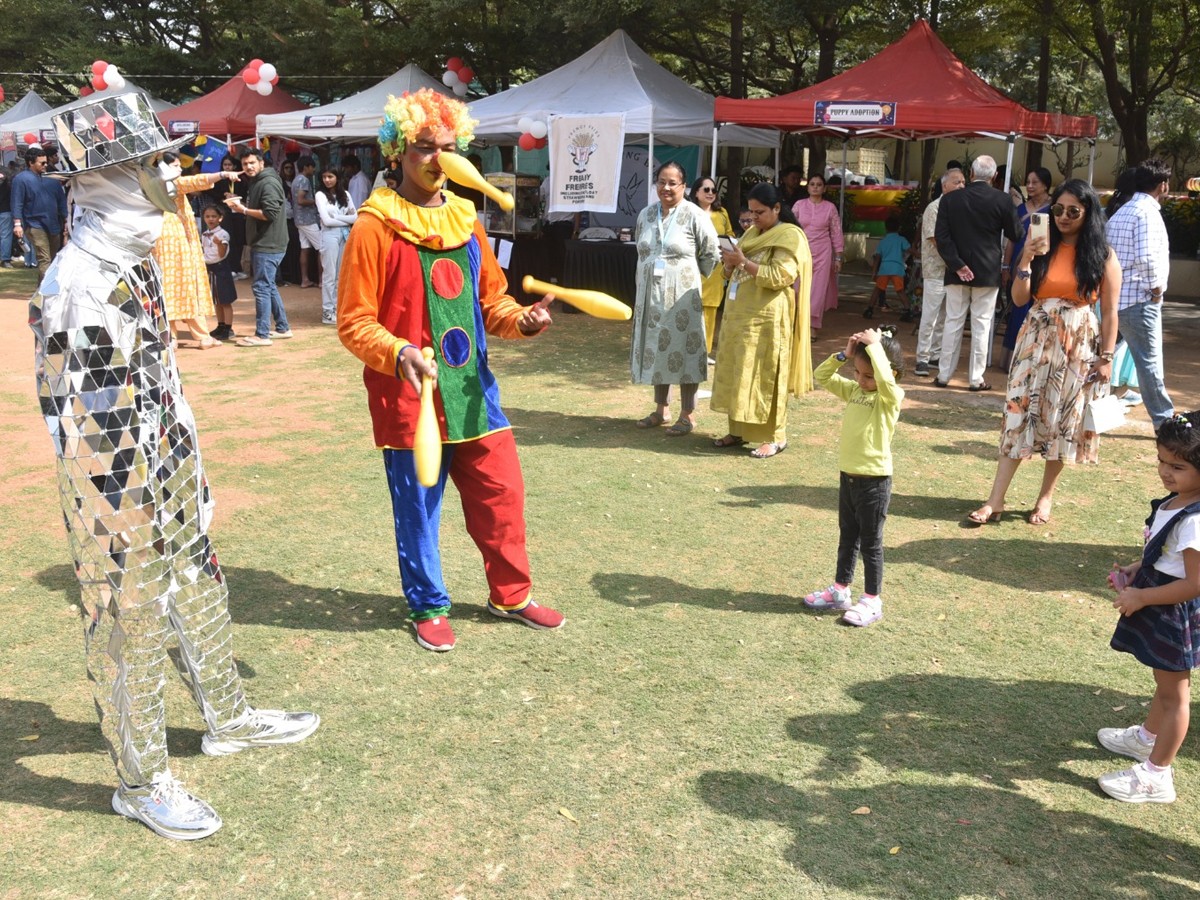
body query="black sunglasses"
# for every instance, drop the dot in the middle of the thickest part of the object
(1071, 212)
(708, 187)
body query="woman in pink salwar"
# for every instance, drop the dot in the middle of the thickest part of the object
(823, 227)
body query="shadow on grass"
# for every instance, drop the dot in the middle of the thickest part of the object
(635, 589)
(536, 427)
(22, 720)
(258, 597)
(956, 838)
(824, 497)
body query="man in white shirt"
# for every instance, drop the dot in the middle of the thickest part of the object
(1138, 236)
(358, 185)
(933, 270)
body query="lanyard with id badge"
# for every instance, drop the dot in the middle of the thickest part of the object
(729, 243)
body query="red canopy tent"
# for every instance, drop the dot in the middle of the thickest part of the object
(229, 110)
(914, 88)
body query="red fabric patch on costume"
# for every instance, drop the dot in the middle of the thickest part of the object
(446, 277)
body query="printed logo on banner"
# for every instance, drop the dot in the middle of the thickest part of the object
(583, 145)
(855, 112)
(327, 121)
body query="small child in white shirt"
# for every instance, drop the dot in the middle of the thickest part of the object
(214, 241)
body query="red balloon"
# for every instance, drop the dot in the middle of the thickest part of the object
(254, 63)
(98, 82)
(540, 143)
(1, 93)
(86, 90)
(466, 74)
(30, 137)
(291, 147)
(527, 141)
(454, 63)
(250, 76)
(275, 80)
(98, 67)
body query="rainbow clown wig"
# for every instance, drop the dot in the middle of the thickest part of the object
(404, 117)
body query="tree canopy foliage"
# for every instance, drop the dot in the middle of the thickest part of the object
(1126, 61)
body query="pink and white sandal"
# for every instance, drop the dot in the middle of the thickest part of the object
(830, 598)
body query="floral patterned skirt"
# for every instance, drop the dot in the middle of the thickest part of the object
(1048, 389)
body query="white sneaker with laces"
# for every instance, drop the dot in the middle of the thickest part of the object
(1139, 785)
(260, 728)
(830, 598)
(166, 808)
(1125, 741)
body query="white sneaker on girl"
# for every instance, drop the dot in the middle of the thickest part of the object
(1125, 741)
(1139, 785)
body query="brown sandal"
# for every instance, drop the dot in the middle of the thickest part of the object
(730, 440)
(654, 420)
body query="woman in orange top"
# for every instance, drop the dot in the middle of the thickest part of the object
(1062, 355)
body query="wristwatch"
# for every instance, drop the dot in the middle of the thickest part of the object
(1024, 274)
(841, 357)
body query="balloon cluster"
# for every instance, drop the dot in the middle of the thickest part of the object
(458, 76)
(260, 77)
(533, 133)
(105, 76)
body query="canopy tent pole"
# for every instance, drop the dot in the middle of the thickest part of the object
(650, 162)
(778, 153)
(1012, 142)
(1091, 159)
(842, 191)
(712, 163)
(991, 338)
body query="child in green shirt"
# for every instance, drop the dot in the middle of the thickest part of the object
(865, 458)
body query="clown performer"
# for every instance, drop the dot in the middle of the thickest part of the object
(418, 272)
(134, 497)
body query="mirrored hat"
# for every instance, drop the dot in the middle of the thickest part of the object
(110, 131)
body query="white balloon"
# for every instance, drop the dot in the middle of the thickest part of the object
(524, 124)
(266, 72)
(110, 71)
(116, 82)
(538, 129)
(450, 79)
(264, 88)
(460, 89)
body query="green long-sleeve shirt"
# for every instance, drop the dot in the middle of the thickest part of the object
(870, 418)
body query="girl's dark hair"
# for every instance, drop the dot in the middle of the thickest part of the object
(220, 212)
(1126, 187)
(1091, 247)
(696, 185)
(169, 157)
(891, 348)
(769, 195)
(337, 194)
(1181, 435)
(671, 165)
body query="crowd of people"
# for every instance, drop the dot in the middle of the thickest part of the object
(413, 268)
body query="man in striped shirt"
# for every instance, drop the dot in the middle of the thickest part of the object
(1138, 236)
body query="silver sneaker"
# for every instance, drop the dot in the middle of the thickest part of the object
(166, 808)
(260, 728)
(1137, 785)
(1125, 741)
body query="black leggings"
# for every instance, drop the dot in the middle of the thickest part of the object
(862, 508)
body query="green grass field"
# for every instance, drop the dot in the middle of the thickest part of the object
(692, 732)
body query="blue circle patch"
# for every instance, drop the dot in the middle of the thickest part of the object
(456, 348)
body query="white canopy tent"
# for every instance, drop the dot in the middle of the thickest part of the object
(29, 105)
(41, 121)
(616, 76)
(353, 118)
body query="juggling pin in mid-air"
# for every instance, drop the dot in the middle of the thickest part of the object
(427, 440)
(594, 303)
(460, 171)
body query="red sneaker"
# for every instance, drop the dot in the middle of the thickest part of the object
(435, 634)
(532, 615)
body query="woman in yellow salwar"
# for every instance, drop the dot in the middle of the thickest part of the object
(704, 195)
(764, 352)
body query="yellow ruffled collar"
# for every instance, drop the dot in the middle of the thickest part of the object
(436, 227)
